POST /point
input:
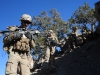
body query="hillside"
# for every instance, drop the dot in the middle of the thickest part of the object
(81, 61)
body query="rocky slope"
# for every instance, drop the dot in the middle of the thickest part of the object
(84, 60)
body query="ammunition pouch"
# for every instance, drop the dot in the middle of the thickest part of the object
(6, 39)
(8, 48)
(22, 45)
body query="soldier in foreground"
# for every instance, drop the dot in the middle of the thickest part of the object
(18, 48)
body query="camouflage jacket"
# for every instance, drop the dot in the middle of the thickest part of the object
(51, 40)
(22, 44)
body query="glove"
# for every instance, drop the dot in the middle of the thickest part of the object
(17, 35)
(29, 35)
(13, 35)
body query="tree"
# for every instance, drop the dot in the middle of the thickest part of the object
(83, 16)
(52, 21)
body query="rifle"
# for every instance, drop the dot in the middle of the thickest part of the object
(19, 31)
(50, 41)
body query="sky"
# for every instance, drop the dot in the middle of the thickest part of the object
(12, 10)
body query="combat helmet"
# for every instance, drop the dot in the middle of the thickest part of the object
(26, 17)
(50, 31)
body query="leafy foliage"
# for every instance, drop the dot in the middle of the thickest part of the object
(82, 17)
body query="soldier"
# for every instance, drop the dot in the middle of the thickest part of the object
(72, 41)
(51, 42)
(18, 48)
(75, 30)
(73, 38)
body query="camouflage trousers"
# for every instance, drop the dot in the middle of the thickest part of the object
(49, 57)
(12, 64)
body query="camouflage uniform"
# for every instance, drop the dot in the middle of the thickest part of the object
(72, 41)
(19, 52)
(49, 57)
(50, 48)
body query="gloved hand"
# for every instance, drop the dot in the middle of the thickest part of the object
(29, 35)
(13, 35)
(17, 35)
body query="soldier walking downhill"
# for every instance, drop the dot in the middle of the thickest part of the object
(51, 42)
(18, 48)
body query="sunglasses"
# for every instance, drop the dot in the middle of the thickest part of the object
(26, 22)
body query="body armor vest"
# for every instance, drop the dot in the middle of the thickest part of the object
(22, 44)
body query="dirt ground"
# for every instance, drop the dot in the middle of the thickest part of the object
(84, 60)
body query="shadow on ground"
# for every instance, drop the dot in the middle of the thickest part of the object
(81, 61)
